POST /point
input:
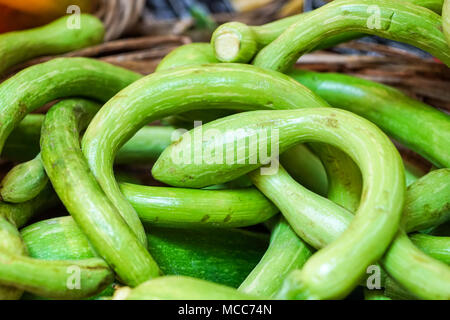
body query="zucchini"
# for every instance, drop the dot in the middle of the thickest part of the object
(395, 20)
(54, 38)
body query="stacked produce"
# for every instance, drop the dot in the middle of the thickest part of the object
(307, 157)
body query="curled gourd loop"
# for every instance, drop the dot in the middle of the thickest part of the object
(378, 215)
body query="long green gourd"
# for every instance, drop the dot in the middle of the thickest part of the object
(237, 42)
(13, 216)
(26, 180)
(188, 208)
(18, 214)
(263, 280)
(395, 113)
(436, 247)
(419, 203)
(179, 288)
(299, 161)
(446, 20)
(413, 205)
(389, 109)
(178, 207)
(51, 279)
(286, 252)
(348, 93)
(328, 221)
(225, 256)
(194, 87)
(339, 174)
(19, 272)
(55, 79)
(57, 37)
(341, 180)
(23, 143)
(58, 78)
(378, 215)
(10, 242)
(385, 18)
(286, 49)
(58, 131)
(77, 188)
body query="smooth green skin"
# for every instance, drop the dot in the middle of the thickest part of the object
(299, 161)
(18, 214)
(23, 143)
(417, 272)
(57, 239)
(268, 270)
(348, 93)
(78, 189)
(224, 256)
(24, 182)
(53, 38)
(191, 54)
(251, 39)
(319, 222)
(257, 37)
(436, 247)
(446, 20)
(59, 78)
(50, 278)
(286, 252)
(177, 207)
(181, 288)
(305, 167)
(145, 146)
(188, 55)
(315, 219)
(423, 210)
(179, 90)
(395, 113)
(399, 21)
(10, 242)
(378, 215)
(188, 208)
(344, 178)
